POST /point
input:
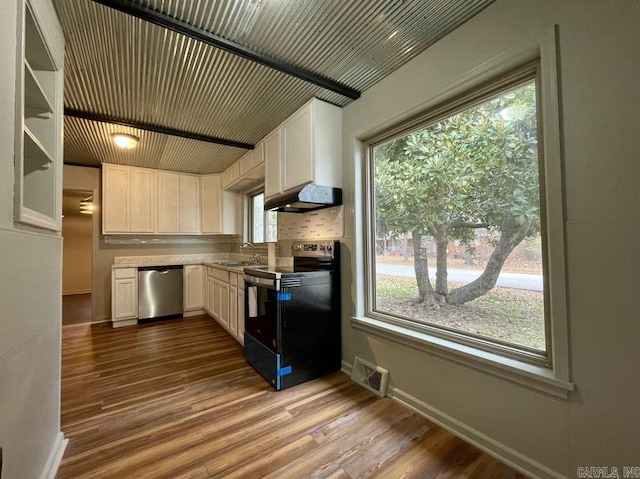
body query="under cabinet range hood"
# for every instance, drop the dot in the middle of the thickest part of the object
(306, 198)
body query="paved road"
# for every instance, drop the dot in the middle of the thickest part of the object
(532, 282)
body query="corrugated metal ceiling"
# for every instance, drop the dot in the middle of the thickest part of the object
(123, 67)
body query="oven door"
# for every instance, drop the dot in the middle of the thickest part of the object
(262, 311)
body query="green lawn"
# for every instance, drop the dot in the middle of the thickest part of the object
(506, 314)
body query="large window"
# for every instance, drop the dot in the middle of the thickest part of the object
(263, 224)
(457, 229)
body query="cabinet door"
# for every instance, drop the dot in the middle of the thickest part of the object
(193, 287)
(224, 304)
(246, 163)
(233, 311)
(240, 302)
(168, 202)
(272, 160)
(211, 206)
(116, 206)
(189, 204)
(221, 302)
(142, 200)
(298, 166)
(210, 296)
(125, 298)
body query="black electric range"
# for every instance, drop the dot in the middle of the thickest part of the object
(292, 316)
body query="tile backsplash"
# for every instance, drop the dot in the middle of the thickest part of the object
(325, 223)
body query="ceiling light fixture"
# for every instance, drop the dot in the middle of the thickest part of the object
(124, 140)
(86, 206)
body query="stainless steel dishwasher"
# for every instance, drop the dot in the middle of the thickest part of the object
(159, 292)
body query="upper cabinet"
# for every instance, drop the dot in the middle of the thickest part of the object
(310, 149)
(178, 203)
(38, 158)
(219, 208)
(272, 155)
(128, 199)
(246, 172)
(142, 200)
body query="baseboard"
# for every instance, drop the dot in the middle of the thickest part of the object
(119, 323)
(500, 451)
(101, 320)
(76, 291)
(55, 457)
(347, 367)
(197, 312)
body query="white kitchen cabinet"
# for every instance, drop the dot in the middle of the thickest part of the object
(219, 209)
(240, 302)
(124, 297)
(143, 198)
(272, 159)
(189, 205)
(208, 291)
(224, 300)
(221, 302)
(116, 199)
(178, 203)
(211, 205)
(247, 172)
(168, 202)
(312, 147)
(193, 291)
(233, 310)
(128, 199)
(236, 282)
(37, 191)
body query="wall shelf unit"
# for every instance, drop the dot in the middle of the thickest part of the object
(38, 158)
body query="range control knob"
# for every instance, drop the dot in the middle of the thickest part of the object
(296, 247)
(327, 247)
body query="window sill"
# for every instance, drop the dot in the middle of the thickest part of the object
(532, 376)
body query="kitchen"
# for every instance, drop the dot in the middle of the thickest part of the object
(537, 424)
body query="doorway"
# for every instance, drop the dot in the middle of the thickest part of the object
(77, 256)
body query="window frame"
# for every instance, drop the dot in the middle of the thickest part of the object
(473, 96)
(250, 195)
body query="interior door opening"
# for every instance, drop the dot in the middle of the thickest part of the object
(77, 256)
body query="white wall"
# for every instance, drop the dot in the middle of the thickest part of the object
(30, 307)
(599, 64)
(77, 253)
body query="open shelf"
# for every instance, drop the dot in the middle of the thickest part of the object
(36, 100)
(36, 156)
(38, 167)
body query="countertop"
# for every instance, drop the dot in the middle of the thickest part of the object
(186, 259)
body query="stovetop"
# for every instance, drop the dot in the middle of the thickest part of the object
(309, 259)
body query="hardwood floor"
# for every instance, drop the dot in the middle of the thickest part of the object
(176, 399)
(76, 308)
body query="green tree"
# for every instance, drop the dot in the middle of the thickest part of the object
(476, 169)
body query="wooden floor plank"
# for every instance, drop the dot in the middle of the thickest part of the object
(176, 399)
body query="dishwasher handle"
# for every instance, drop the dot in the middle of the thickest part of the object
(160, 269)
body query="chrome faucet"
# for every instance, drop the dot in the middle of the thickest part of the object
(254, 257)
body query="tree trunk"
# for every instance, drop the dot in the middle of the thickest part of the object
(442, 241)
(421, 268)
(511, 236)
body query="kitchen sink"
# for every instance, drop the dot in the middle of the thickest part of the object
(236, 263)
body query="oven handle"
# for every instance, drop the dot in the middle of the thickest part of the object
(266, 282)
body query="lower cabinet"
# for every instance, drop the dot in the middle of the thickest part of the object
(240, 303)
(124, 297)
(193, 294)
(224, 300)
